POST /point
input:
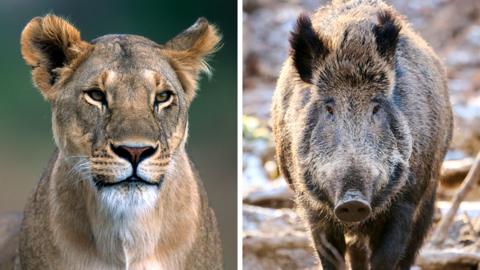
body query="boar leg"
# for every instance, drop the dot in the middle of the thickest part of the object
(358, 254)
(326, 240)
(389, 244)
(419, 230)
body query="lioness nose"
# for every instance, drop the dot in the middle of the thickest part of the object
(134, 155)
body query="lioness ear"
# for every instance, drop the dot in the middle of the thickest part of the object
(306, 47)
(386, 34)
(189, 51)
(48, 44)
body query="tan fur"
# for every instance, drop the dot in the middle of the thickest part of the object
(57, 31)
(73, 222)
(188, 63)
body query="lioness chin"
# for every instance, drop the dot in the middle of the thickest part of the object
(120, 191)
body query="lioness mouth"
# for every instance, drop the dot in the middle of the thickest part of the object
(132, 180)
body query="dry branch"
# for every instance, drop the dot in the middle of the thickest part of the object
(468, 184)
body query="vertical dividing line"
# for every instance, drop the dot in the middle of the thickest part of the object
(239, 132)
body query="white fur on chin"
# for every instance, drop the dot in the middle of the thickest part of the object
(124, 202)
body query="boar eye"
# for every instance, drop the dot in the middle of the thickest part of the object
(96, 95)
(329, 109)
(376, 108)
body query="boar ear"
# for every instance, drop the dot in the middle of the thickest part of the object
(386, 34)
(306, 47)
(49, 43)
(189, 51)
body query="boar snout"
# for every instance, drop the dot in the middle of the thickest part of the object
(352, 207)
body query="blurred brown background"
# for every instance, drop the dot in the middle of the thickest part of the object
(25, 132)
(273, 236)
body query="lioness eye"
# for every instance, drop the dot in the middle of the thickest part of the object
(97, 95)
(163, 97)
(376, 108)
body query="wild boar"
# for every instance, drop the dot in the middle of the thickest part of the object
(362, 121)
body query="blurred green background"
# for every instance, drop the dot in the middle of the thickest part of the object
(25, 130)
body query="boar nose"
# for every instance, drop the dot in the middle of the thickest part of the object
(352, 207)
(134, 155)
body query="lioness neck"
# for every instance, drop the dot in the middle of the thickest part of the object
(87, 233)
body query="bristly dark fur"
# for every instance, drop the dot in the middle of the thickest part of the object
(375, 120)
(306, 47)
(386, 34)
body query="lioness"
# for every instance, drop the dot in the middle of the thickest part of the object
(120, 191)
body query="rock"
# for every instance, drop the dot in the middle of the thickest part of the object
(461, 250)
(275, 239)
(454, 171)
(452, 175)
(274, 194)
(448, 259)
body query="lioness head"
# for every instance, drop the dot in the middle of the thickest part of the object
(120, 102)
